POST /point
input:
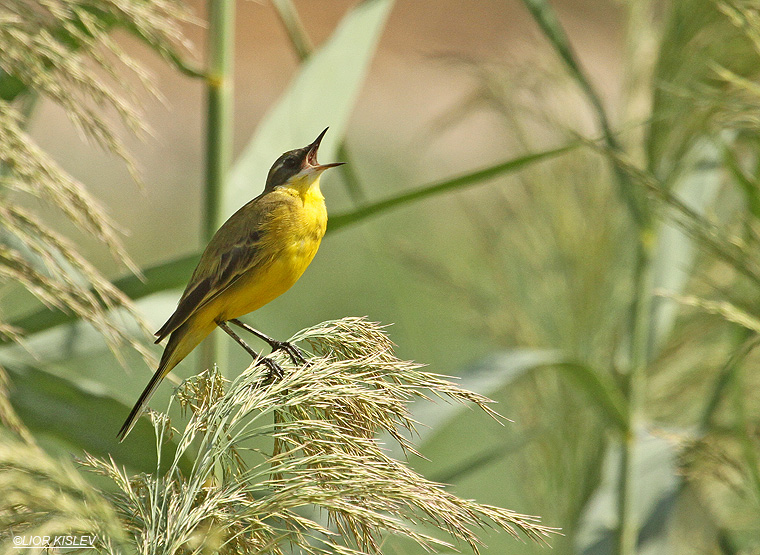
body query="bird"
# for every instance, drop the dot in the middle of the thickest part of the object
(254, 257)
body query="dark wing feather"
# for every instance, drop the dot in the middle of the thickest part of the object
(191, 299)
(233, 251)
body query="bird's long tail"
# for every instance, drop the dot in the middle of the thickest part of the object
(181, 342)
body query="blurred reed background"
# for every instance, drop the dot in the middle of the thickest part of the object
(605, 296)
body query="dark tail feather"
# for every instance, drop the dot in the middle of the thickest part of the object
(139, 406)
(163, 369)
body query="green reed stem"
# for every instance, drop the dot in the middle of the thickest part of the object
(288, 15)
(641, 318)
(219, 86)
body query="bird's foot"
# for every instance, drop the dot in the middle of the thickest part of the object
(274, 369)
(295, 354)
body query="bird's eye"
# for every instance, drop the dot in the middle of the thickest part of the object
(290, 163)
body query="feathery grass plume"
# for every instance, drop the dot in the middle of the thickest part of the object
(723, 308)
(329, 486)
(690, 99)
(8, 417)
(716, 466)
(29, 171)
(50, 267)
(41, 496)
(61, 50)
(713, 458)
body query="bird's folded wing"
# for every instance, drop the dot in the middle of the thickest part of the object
(214, 274)
(243, 244)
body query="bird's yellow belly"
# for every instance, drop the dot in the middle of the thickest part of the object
(270, 282)
(293, 243)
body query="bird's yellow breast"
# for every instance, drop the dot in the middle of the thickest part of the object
(290, 240)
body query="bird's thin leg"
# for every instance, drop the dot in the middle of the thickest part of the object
(274, 368)
(294, 352)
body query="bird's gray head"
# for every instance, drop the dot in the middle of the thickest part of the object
(287, 166)
(295, 162)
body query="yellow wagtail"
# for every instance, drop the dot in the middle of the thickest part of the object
(257, 255)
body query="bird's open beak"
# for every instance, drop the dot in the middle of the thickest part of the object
(311, 156)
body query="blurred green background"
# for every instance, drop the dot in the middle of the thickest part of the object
(530, 285)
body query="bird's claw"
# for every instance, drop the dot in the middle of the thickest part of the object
(295, 354)
(275, 370)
